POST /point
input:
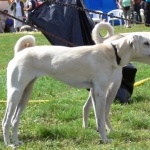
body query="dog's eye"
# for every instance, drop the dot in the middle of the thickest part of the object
(146, 43)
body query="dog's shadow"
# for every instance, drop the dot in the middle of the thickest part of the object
(139, 99)
(51, 133)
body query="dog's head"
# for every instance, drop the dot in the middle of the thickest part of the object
(140, 45)
(133, 48)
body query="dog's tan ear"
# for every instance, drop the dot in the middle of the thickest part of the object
(133, 41)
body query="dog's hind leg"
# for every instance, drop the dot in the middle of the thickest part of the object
(16, 83)
(21, 106)
(86, 110)
(13, 98)
(111, 94)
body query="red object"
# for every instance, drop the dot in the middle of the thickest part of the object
(38, 3)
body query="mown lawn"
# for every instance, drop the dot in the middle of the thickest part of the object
(57, 124)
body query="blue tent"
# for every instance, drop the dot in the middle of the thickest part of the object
(103, 5)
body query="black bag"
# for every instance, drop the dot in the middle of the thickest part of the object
(127, 85)
(68, 23)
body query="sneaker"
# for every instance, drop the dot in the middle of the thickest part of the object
(128, 26)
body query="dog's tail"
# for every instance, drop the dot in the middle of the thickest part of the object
(97, 37)
(23, 42)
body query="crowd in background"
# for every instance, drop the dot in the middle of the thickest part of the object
(3, 21)
(138, 8)
(19, 10)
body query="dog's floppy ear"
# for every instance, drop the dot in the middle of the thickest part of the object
(133, 42)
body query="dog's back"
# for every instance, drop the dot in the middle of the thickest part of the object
(23, 42)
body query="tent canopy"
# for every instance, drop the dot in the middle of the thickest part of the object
(103, 5)
(65, 22)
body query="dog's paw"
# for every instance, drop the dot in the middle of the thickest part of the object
(109, 130)
(84, 126)
(106, 141)
(15, 145)
(12, 146)
(20, 143)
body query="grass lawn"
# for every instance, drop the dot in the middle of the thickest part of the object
(57, 123)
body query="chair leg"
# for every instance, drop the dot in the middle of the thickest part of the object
(112, 22)
(120, 23)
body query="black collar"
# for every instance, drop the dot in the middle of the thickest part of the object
(118, 59)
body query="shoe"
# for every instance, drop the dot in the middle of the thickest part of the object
(128, 26)
(147, 25)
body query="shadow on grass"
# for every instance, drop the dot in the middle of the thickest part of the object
(137, 99)
(134, 99)
(43, 133)
(127, 136)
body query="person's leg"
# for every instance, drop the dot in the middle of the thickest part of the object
(128, 18)
(19, 24)
(125, 16)
(138, 13)
(147, 14)
(135, 11)
(148, 21)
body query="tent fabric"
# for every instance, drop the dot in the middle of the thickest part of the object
(102, 5)
(65, 22)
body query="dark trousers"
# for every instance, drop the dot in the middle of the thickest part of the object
(137, 8)
(147, 14)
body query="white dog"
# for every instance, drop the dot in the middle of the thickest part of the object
(28, 29)
(82, 67)
(117, 74)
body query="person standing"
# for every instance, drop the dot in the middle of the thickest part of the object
(126, 6)
(136, 8)
(18, 11)
(3, 18)
(147, 13)
(142, 4)
(30, 6)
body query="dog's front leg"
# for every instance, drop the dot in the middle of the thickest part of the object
(111, 94)
(98, 95)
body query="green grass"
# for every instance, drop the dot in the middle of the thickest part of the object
(57, 124)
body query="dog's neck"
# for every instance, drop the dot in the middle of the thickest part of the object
(118, 59)
(123, 50)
